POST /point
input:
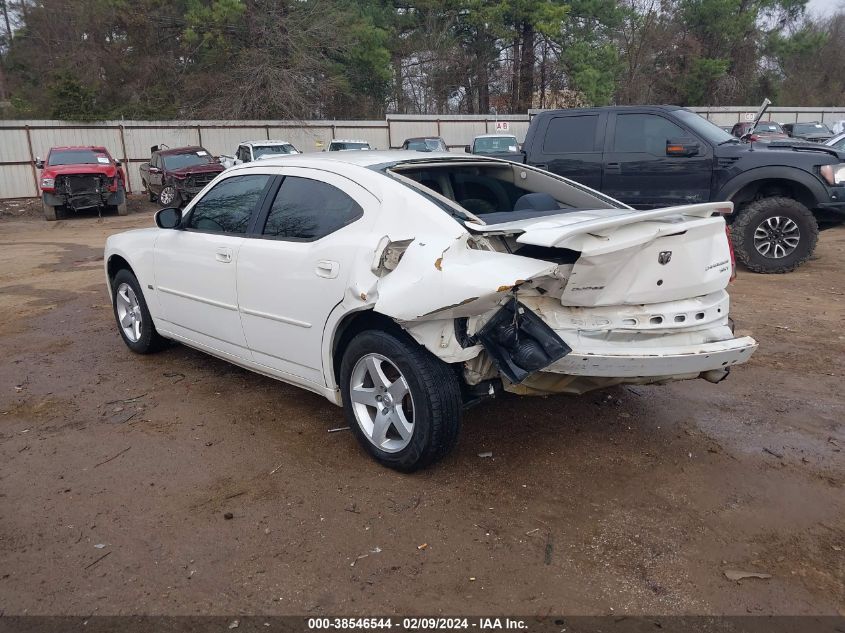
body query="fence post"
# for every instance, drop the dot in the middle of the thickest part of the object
(125, 160)
(32, 160)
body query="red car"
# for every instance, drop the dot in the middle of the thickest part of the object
(80, 178)
(175, 175)
(765, 131)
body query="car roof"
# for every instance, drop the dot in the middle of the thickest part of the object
(349, 140)
(188, 149)
(496, 136)
(369, 159)
(98, 148)
(423, 138)
(596, 110)
(269, 142)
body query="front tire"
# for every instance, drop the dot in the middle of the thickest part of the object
(123, 207)
(774, 235)
(169, 197)
(402, 403)
(132, 316)
(50, 213)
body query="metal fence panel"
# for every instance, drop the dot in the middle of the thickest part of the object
(311, 138)
(402, 129)
(44, 139)
(13, 146)
(16, 181)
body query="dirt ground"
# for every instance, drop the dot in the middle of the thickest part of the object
(116, 472)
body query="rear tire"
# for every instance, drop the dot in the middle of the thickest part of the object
(132, 316)
(150, 194)
(774, 235)
(428, 404)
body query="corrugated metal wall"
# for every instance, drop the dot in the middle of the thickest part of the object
(130, 141)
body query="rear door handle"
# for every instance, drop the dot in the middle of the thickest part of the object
(542, 166)
(327, 268)
(224, 254)
(615, 167)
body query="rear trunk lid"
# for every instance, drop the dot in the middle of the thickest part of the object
(633, 257)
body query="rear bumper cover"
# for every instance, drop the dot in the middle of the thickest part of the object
(651, 362)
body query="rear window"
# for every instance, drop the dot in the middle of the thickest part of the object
(426, 145)
(571, 134)
(337, 147)
(179, 161)
(272, 150)
(811, 128)
(496, 144)
(78, 157)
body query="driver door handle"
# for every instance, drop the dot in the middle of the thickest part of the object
(224, 254)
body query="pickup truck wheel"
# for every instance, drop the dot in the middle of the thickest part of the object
(123, 207)
(132, 315)
(50, 212)
(774, 235)
(169, 197)
(402, 403)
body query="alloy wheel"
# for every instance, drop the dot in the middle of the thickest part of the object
(382, 403)
(776, 237)
(128, 312)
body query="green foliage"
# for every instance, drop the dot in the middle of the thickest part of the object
(698, 84)
(72, 100)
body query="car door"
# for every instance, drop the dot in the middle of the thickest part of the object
(296, 270)
(638, 171)
(195, 266)
(155, 183)
(571, 146)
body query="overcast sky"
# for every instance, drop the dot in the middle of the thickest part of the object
(825, 7)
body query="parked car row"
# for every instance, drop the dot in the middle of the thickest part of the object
(784, 189)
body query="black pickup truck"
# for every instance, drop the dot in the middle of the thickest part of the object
(658, 156)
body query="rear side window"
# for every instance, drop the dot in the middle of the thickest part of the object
(571, 134)
(306, 209)
(229, 205)
(646, 133)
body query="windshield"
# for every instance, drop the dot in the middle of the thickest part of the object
(495, 144)
(768, 126)
(426, 145)
(704, 128)
(78, 157)
(272, 150)
(344, 145)
(180, 161)
(811, 128)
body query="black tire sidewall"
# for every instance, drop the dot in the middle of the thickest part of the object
(149, 339)
(752, 216)
(424, 447)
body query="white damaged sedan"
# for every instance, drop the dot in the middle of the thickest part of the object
(404, 288)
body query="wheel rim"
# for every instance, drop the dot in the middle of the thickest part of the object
(128, 312)
(382, 403)
(167, 195)
(776, 237)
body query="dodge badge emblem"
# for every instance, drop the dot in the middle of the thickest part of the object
(664, 257)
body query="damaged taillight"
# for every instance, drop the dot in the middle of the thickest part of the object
(388, 254)
(731, 249)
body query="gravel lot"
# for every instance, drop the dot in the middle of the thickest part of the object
(117, 471)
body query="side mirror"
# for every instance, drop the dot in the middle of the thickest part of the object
(169, 218)
(117, 163)
(154, 170)
(682, 147)
(39, 163)
(467, 149)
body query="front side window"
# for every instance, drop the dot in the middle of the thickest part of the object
(306, 209)
(646, 133)
(229, 205)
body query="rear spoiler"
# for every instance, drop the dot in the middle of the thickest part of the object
(556, 229)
